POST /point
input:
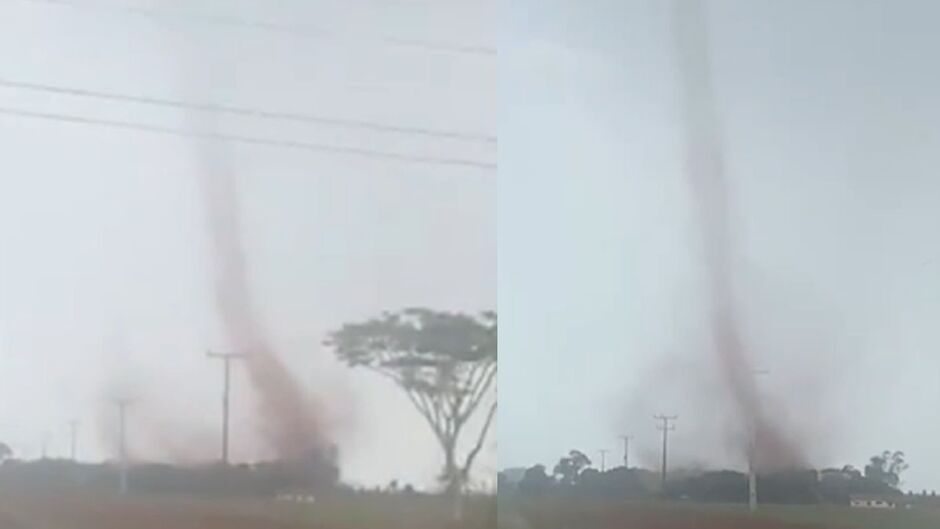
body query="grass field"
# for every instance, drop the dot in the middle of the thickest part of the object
(83, 511)
(580, 514)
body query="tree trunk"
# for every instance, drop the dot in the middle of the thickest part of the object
(457, 512)
(454, 480)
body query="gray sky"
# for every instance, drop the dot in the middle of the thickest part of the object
(104, 264)
(829, 115)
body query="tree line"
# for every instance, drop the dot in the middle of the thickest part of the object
(575, 475)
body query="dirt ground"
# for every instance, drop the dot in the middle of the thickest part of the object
(73, 511)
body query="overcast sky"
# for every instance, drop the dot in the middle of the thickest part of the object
(105, 278)
(829, 113)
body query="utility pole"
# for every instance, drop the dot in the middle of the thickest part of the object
(752, 451)
(665, 427)
(73, 440)
(626, 450)
(603, 453)
(227, 370)
(122, 404)
(44, 446)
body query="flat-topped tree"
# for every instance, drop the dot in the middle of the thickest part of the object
(886, 468)
(446, 364)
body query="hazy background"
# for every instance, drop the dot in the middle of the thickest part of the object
(829, 113)
(104, 259)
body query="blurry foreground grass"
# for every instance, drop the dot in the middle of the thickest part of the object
(383, 511)
(566, 513)
(361, 511)
(849, 518)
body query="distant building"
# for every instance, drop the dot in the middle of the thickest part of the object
(877, 501)
(296, 496)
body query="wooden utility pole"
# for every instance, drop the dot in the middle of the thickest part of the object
(227, 373)
(122, 404)
(665, 427)
(73, 440)
(626, 450)
(752, 450)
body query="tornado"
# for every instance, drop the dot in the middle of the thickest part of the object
(767, 443)
(292, 420)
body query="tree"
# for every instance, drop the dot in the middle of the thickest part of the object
(502, 482)
(444, 362)
(569, 468)
(535, 481)
(886, 468)
(851, 472)
(5, 452)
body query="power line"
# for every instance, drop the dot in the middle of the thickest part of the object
(250, 140)
(247, 112)
(273, 27)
